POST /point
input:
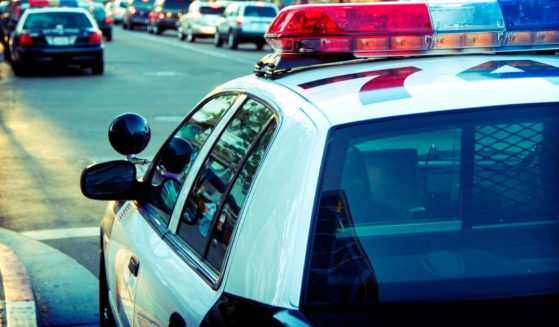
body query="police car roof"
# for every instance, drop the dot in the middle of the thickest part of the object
(360, 91)
(54, 9)
(451, 61)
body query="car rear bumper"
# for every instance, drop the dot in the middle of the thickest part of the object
(61, 56)
(138, 20)
(167, 24)
(203, 30)
(243, 36)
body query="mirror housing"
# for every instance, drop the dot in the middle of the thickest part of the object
(113, 180)
(129, 134)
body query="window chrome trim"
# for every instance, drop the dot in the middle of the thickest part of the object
(200, 159)
(192, 258)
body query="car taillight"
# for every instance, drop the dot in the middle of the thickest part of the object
(132, 11)
(151, 15)
(25, 39)
(108, 20)
(18, 12)
(161, 15)
(239, 21)
(95, 38)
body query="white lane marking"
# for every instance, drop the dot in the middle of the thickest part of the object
(172, 119)
(165, 74)
(62, 233)
(199, 50)
(19, 301)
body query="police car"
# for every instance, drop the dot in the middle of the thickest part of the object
(55, 32)
(390, 163)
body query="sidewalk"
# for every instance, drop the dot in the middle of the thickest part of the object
(62, 292)
(16, 297)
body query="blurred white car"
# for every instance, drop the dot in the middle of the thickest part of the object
(245, 22)
(200, 20)
(116, 8)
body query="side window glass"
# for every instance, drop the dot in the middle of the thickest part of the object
(224, 226)
(217, 175)
(176, 156)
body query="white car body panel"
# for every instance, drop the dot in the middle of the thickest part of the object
(170, 285)
(436, 87)
(122, 246)
(267, 255)
(300, 137)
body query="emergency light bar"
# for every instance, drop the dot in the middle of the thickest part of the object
(409, 28)
(53, 3)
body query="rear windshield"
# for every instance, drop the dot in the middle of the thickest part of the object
(51, 20)
(207, 10)
(449, 207)
(96, 11)
(251, 11)
(143, 3)
(176, 4)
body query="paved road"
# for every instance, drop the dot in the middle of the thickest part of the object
(54, 123)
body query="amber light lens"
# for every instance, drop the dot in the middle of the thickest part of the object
(469, 40)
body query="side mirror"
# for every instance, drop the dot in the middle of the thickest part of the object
(113, 180)
(129, 134)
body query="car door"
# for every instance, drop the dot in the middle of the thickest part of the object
(182, 276)
(139, 226)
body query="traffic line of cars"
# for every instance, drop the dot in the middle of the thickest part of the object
(230, 22)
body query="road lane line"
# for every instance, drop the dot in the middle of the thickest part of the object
(19, 301)
(220, 55)
(62, 233)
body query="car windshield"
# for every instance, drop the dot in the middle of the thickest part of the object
(211, 10)
(255, 11)
(454, 206)
(98, 12)
(143, 3)
(51, 20)
(176, 4)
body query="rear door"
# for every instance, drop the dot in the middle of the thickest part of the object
(140, 226)
(181, 279)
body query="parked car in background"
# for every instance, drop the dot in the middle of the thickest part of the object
(200, 20)
(137, 14)
(59, 36)
(245, 22)
(9, 18)
(100, 15)
(116, 8)
(166, 14)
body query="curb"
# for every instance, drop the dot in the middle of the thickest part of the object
(19, 300)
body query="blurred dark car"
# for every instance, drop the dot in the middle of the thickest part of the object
(137, 13)
(166, 14)
(56, 37)
(200, 20)
(8, 20)
(100, 15)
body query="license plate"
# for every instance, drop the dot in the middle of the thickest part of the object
(257, 27)
(60, 40)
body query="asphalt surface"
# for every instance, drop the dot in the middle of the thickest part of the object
(54, 123)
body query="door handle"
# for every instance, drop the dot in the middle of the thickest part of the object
(134, 265)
